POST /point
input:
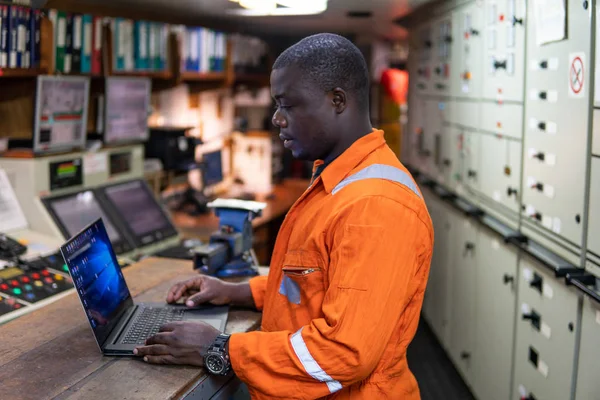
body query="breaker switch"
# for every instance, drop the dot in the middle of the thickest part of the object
(500, 64)
(540, 156)
(510, 191)
(537, 282)
(516, 20)
(543, 95)
(534, 318)
(536, 215)
(542, 126)
(544, 64)
(539, 186)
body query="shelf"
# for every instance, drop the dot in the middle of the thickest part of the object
(262, 79)
(144, 74)
(206, 76)
(22, 72)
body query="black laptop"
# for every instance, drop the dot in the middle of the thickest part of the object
(118, 324)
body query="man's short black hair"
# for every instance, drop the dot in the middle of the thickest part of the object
(330, 61)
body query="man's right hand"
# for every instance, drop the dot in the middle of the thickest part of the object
(206, 289)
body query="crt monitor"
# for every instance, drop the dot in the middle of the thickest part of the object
(73, 212)
(143, 217)
(127, 101)
(61, 107)
(212, 168)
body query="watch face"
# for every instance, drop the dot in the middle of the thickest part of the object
(215, 364)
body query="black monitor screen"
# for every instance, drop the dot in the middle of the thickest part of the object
(74, 212)
(213, 168)
(142, 214)
(97, 278)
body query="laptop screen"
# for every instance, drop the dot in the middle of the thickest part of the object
(97, 278)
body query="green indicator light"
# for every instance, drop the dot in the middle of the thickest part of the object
(17, 291)
(66, 268)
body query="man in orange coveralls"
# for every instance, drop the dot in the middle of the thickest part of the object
(350, 265)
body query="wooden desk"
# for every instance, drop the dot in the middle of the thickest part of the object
(52, 352)
(266, 226)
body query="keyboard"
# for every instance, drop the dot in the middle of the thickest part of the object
(148, 322)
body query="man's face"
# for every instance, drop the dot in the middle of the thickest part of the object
(304, 115)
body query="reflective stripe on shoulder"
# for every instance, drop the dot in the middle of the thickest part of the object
(379, 171)
(310, 364)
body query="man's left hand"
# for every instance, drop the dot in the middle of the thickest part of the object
(179, 343)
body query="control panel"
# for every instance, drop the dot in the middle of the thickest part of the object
(504, 50)
(466, 76)
(556, 119)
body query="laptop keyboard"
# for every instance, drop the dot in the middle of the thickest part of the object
(148, 322)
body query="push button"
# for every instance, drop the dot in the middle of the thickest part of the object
(38, 283)
(35, 275)
(45, 273)
(14, 282)
(25, 279)
(48, 280)
(58, 277)
(4, 286)
(28, 287)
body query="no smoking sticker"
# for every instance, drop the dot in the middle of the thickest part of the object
(577, 75)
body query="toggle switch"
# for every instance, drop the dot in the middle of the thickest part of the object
(539, 186)
(534, 318)
(543, 95)
(500, 64)
(536, 282)
(540, 156)
(516, 21)
(510, 191)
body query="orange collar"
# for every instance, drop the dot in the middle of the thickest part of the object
(339, 168)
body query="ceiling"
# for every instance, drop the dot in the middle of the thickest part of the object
(335, 19)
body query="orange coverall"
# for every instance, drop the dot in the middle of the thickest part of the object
(344, 293)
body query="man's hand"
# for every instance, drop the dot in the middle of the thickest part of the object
(179, 343)
(205, 289)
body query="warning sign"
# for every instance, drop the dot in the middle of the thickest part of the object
(577, 75)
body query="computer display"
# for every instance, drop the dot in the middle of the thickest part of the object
(75, 211)
(141, 214)
(60, 113)
(97, 277)
(212, 170)
(126, 109)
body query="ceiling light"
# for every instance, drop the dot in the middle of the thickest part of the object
(270, 7)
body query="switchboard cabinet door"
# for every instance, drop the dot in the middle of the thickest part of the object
(467, 77)
(450, 158)
(471, 153)
(434, 130)
(558, 91)
(501, 169)
(438, 302)
(545, 335)
(503, 52)
(416, 127)
(494, 317)
(593, 240)
(444, 32)
(505, 120)
(588, 384)
(423, 49)
(462, 322)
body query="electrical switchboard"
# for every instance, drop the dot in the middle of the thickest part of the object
(466, 76)
(504, 50)
(557, 92)
(588, 385)
(546, 333)
(593, 238)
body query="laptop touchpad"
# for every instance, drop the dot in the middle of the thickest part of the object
(215, 323)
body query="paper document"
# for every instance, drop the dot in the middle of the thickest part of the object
(550, 21)
(11, 215)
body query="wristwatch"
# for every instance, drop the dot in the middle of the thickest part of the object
(216, 359)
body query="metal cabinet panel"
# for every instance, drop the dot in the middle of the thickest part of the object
(465, 113)
(416, 137)
(437, 304)
(494, 317)
(467, 76)
(500, 172)
(505, 119)
(588, 384)
(546, 332)
(593, 240)
(444, 34)
(434, 120)
(451, 160)
(422, 50)
(551, 86)
(462, 322)
(471, 154)
(596, 129)
(504, 50)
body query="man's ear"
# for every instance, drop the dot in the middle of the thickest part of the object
(339, 100)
